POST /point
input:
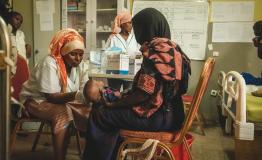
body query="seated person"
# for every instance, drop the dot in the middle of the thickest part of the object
(257, 41)
(154, 102)
(95, 91)
(55, 81)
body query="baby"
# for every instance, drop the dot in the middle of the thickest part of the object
(95, 91)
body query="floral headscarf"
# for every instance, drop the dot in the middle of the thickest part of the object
(63, 42)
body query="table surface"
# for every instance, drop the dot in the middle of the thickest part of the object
(114, 76)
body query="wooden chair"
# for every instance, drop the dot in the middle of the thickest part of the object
(40, 131)
(22, 75)
(187, 100)
(168, 140)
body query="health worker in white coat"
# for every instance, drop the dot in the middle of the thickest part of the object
(123, 38)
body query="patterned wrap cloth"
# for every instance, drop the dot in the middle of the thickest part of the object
(164, 66)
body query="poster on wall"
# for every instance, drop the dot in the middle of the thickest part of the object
(232, 32)
(45, 9)
(188, 23)
(232, 11)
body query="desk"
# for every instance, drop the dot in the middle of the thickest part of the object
(114, 76)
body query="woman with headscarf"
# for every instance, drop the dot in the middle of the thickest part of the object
(59, 78)
(154, 103)
(124, 39)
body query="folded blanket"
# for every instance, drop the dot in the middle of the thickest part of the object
(250, 79)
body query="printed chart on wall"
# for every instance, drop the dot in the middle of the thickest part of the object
(188, 23)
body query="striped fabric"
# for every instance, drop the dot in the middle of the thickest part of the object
(59, 115)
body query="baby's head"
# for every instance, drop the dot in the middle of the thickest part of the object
(92, 91)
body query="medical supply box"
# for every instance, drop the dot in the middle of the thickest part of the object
(117, 64)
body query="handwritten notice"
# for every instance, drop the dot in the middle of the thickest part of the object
(188, 23)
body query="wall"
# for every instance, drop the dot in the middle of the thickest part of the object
(233, 56)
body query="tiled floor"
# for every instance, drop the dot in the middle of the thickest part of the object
(213, 146)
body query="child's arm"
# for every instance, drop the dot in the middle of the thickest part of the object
(129, 100)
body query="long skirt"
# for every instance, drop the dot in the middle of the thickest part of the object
(60, 115)
(102, 138)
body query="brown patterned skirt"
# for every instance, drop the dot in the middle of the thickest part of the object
(60, 115)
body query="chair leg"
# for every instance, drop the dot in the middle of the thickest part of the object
(187, 149)
(203, 119)
(78, 143)
(38, 136)
(13, 136)
(200, 123)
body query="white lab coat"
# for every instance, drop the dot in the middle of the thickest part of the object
(18, 41)
(45, 79)
(129, 46)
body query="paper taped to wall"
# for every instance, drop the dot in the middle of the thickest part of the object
(232, 32)
(188, 23)
(232, 11)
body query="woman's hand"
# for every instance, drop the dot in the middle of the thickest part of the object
(28, 50)
(117, 94)
(128, 100)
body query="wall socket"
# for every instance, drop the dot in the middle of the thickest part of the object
(213, 93)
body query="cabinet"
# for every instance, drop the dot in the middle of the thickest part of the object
(92, 18)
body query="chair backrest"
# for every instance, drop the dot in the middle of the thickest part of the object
(21, 75)
(199, 92)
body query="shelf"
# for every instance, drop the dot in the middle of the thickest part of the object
(103, 31)
(106, 10)
(76, 11)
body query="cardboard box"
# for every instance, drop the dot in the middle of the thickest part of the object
(117, 64)
(134, 65)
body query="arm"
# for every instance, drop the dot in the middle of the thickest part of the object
(129, 100)
(28, 50)
(82, 81)
(108, 42)
(60, 98)
(48, 83)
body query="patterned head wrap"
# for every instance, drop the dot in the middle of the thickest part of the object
(63, 42)
(121, 18)
(163, 58)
